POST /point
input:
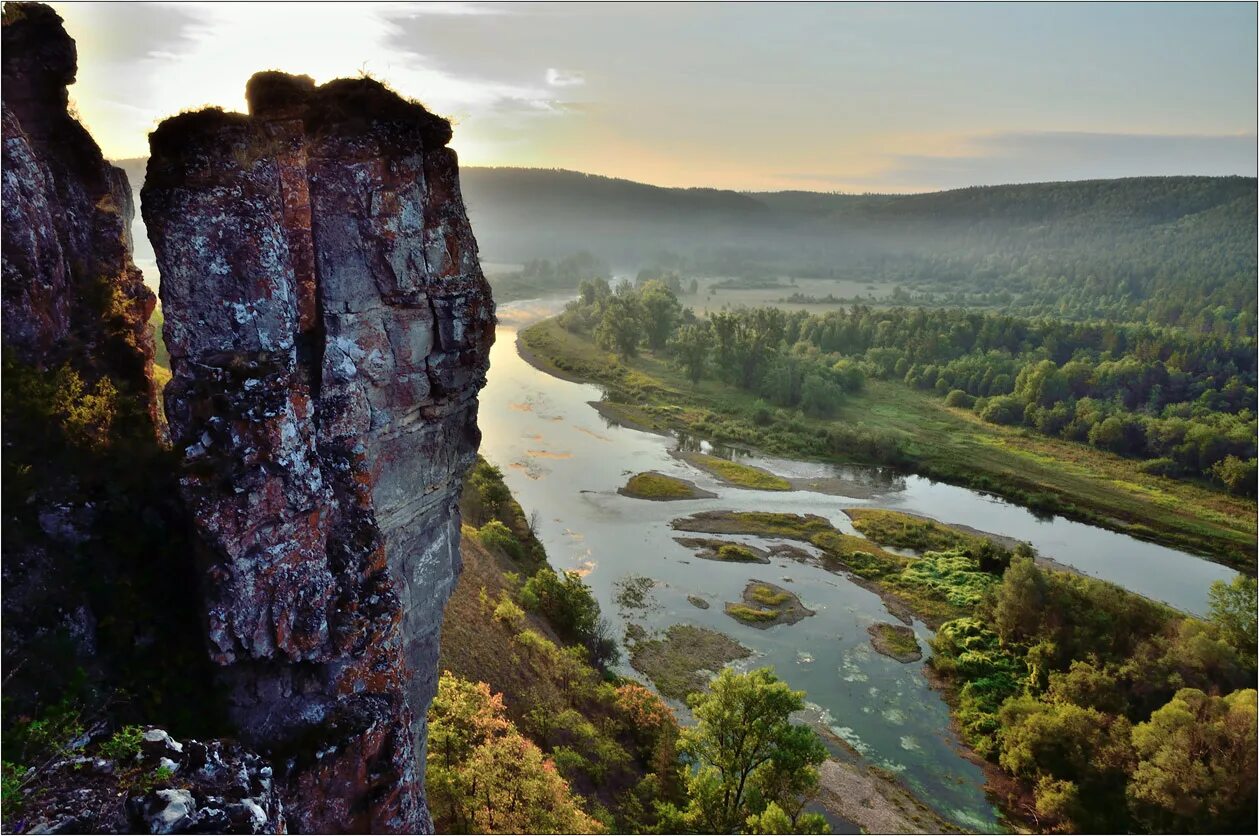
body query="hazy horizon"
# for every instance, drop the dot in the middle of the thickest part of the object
(852, 98)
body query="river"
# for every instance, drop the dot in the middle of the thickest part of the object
(564, 463)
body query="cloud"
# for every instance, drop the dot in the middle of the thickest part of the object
(564, 78)
(1035, 156)
(135, 30)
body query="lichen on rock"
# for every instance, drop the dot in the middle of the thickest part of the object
(328, 327)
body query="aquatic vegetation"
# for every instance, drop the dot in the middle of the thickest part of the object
(752, 615)
(736, 473)
(910, 531)
(759, 523)
(896, 641)
(633, 591)
(769, 596)
(726, 551)
(658, 486)
(765, 604)
(682, 662)
(952, 576)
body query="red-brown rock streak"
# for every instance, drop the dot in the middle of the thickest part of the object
(329, 328)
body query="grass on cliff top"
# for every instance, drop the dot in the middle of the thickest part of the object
(952, 445)
(658, 486)
(684, 660)
(740, 475)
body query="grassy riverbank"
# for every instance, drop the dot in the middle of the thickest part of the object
(952, 445)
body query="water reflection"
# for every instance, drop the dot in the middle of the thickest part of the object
(565, 462)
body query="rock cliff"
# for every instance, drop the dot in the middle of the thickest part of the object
(84, 496)
(71, 291)
(328, 326)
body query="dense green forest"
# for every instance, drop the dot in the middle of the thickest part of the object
(1183, 404)
(1112, 713)
(1170, 250)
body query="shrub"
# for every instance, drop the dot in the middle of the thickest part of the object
(960, 399)
(507, 612)
(124, 745)
(497, 536)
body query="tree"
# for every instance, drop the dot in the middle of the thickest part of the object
(749, 754)
(661, 312)
(483, 776)
(1233, 610)
(565, 601)
(1196, 769)
(819, 396)
(620, 328)
(1236, 474)
(1021, 601)
(1068, 744)
(690, 347)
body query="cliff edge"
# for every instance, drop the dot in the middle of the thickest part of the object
(329, 327)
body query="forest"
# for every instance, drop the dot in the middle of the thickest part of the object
(1112, 713)
(1176, 251)
(1182, 404)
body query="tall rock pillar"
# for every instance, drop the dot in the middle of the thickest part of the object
(328, 327)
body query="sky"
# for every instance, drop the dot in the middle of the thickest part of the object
(827, 97)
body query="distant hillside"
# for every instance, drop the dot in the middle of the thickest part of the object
(1167, 249)
(1160, 248)
(523, 213)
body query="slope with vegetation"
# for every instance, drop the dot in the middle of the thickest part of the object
(531, 732)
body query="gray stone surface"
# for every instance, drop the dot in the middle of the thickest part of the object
(329, 327)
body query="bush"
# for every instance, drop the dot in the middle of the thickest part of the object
(124, 745)
(1003, 410)
(1162, 467)
(497, 536)
(570, 607)
(959, 399)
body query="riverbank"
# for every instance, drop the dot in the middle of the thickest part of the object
(950, 445)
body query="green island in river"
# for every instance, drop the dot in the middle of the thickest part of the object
(649, 392)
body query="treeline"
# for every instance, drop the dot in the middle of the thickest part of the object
(1183, 403)
(1113, 713)
(1177, 251)
(542, 276)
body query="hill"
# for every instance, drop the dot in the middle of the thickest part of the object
(1173, 250)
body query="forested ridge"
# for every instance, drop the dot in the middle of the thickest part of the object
(1172, 250)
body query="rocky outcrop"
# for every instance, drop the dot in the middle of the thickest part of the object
(162, 786)
(90, 534)
(328, 326)
(71, 291)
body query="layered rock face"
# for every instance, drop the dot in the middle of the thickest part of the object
(67, 220)
(329, 327)
(77, 389)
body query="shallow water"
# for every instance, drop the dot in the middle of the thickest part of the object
(563, 461)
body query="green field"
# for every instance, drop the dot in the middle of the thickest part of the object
(1046, 474)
